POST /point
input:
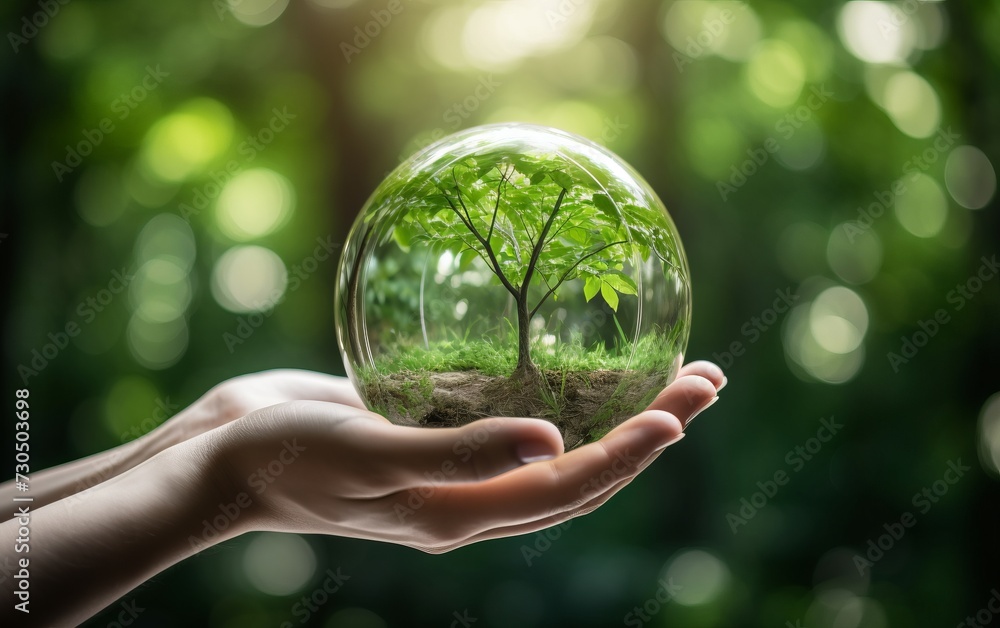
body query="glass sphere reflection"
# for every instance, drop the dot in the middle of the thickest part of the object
(513, 270)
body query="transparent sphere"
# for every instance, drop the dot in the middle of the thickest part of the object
(513, 270)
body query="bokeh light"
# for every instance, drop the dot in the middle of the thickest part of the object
(257, 12)
(696, 28)
(354, 617)
(160, 291)
(912, 104)
(253, 204)
(989, 435)
(278, 564)
(876, 32)
(166, 236)
(838, 320)
(248, 279)
(700, 577)
(923, 208)
(188, 139)
(840, 608)
(854, 254)
(970, 177)
(824, 336)
(776, 73)
(157, 344)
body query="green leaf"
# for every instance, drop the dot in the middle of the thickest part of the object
(578, 235)
(610, 296)
(591, 287)
(402, 236)
(621, 282)
(562, 179)
(537, 177)
(606, 206)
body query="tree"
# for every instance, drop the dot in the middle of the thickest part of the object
(537, 223)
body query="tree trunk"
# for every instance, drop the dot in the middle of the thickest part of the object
(525, 369)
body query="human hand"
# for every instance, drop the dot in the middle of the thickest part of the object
(228, 401)
(331, 468)
(241, 395)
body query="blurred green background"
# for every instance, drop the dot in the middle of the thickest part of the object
(844, 153)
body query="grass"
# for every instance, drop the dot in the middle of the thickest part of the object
(585, 391)
(491, 357)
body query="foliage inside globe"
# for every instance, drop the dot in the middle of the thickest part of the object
(513, 270)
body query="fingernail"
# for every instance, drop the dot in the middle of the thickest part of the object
(534, 451)
(703, 408)
(670, 442)
(725, 380)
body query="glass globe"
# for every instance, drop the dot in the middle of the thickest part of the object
(513, 270)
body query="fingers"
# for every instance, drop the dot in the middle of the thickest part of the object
(685, 397)
(557, 517)
(470, 453)
(309, 385)
(708, 370)
(525, 494)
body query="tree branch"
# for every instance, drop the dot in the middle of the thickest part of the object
(496, 206)
(458, 191)
(537, 251)
(486, 246)
(569, 270)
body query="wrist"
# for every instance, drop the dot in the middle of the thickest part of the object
(227, 506)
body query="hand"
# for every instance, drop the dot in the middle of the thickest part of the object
(239, 396)
(327, 465)
(226, 402)
(312, 467)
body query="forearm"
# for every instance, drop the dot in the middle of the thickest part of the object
(86, 552)
(73, 477)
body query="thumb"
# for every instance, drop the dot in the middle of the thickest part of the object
(473, 452)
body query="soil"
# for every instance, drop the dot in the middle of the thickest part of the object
(583, 405)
